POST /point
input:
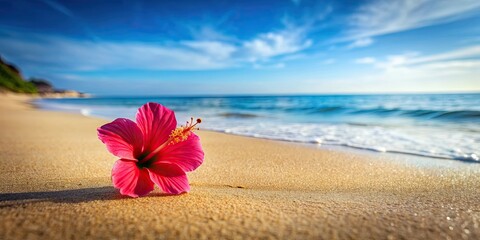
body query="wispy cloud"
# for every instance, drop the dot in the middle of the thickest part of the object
(68, 54)
(365, 60)
(209, 33)
(68, 13)
(206, 48)
(215, 49)
(415, 59)
(59, 7)
(274, 44)
(383, 17)
(361, 42)
(455, 70)
(463, 62)
(58, 53)
(463, 53)
(268, 66)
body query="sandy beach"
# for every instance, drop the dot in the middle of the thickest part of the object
(55, 184)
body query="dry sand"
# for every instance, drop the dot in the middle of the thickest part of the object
(55, 184)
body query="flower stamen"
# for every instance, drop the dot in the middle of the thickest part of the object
(178, 134)
(182, 133)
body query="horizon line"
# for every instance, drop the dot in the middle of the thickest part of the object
(287, 94)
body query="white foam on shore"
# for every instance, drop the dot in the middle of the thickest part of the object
(411, 140)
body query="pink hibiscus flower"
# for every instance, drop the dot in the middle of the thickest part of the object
(152, 151)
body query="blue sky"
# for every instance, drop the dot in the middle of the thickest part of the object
(245, 47)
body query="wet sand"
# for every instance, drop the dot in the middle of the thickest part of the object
(55, 184)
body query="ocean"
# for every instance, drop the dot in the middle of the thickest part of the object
(443, 126)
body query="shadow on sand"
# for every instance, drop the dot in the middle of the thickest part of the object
(67, 196)
(63, 196)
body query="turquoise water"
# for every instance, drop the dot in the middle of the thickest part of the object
(433, 125)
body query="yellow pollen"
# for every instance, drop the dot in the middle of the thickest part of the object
(182, 133)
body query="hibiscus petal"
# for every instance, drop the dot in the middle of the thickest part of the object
(122, 137)
(130, 179)
(156, 123)
(169, 177)
(188, 154)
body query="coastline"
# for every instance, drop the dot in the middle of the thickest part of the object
(247, 188)
(379, 124)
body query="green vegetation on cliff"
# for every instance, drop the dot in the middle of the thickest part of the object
(10, 79)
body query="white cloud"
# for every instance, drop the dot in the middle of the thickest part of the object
(362, 42)
(275, 44)
(461, 64)
(208, 33)
(365, 60)
(455, 70)
(383, 17)
(39, 51)
(452, 67)
(396, 61)
(415, 59)
(461, 75)
(468, 52)
(268, 66)
(215, 49)
(81, 55)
